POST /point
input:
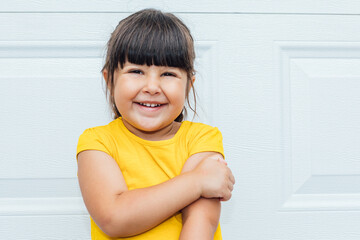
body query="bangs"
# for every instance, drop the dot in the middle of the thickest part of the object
(155, 41)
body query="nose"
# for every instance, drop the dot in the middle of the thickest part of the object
(152, 85)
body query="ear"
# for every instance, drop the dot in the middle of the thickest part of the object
(191, 83)
(105, 75)
(192, 80)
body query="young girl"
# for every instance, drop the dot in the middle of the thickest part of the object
(148, 174)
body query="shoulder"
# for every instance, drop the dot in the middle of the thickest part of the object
(104, 130)
(201, 133)
(99, 138)
(197, 125)
(195, 128)
(203, 138)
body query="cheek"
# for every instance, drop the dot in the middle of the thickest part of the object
(176, 91)
(124, 91)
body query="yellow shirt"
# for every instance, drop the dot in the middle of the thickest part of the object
(146, 163)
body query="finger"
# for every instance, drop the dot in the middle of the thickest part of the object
(231, 187)
(223, 161)
(231, 177)
(227, 197)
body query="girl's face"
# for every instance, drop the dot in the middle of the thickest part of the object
(149, 98)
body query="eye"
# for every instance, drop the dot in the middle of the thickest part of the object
(136, 71)
(169, 74)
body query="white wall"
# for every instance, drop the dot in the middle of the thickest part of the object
(280, 79)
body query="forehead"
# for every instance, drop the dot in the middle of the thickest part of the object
(130, 64)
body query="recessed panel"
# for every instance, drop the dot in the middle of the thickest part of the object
(321, 131)
(44, 115)
(205, 84)
(50, 92)
(333, 114)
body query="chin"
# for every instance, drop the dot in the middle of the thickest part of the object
(148, 125)
(150, 128)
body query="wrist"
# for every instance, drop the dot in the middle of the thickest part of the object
(196, 183)
(197, 227)
(204, 210)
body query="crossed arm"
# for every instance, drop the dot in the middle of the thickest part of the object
(120, 212)
(200, 218)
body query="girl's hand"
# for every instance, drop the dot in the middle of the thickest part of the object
(215, 178)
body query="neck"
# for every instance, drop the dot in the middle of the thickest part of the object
(164, 133)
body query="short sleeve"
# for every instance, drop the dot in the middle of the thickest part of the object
(91, 139)
(206, 139)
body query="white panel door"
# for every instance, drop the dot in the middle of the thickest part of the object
(289, 111)
(282, 88)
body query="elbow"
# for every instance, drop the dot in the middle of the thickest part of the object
(114, 228)
(116, 222)
(109, 230)
(112, 232)
(106, 224)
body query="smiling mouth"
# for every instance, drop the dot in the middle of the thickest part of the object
(152, 105)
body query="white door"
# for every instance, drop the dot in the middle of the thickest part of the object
(282, 84)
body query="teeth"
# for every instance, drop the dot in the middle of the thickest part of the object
(150, 104)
